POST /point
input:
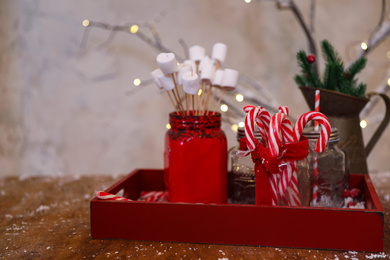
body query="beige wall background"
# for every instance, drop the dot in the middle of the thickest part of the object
(66, 109)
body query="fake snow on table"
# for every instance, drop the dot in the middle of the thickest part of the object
(376, 256)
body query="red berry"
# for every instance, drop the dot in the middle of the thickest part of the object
(351, 203)
(346, 74)
(355, 193)
(347, 193)
(311, 58)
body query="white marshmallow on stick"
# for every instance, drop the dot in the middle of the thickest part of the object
(217, 82)
(207, 76)
(204, 63)
(167, 82)
(155, 75)
(192, 64)
(191, 86)
(169, 66)
(167, 63)
(218, 77)
(164, 82)
(229, 82)
(183, 68)
(219, 53)
(230, 79)
(196, 53)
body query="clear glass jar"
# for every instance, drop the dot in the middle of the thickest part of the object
(242, 185)
(329, 184)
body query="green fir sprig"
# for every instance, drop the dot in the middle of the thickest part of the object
(335, 76)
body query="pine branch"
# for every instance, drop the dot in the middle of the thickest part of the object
(309, 76)
(333, 76)
(329, 52)
(361, 90)
(356, 67)
(300, 81)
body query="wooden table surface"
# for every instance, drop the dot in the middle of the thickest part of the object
(49, 218)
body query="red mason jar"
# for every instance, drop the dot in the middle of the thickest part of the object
(195, 159)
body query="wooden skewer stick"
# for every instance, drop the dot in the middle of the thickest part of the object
(177, 91)
(197, 104)
(187, 104)
(177, 101)
(173, 103)
(216, 65)
(202, 96)
(219, 101)
(213, 96)
(193, 104)
(207, 99)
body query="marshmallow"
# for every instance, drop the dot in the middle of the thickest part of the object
(192, 64)
(230, 78)
(205, 60)
(219, 52)
(218, 76)
(167, 63)
(191, 83)
(197, 53)
(166, 82)
(183, 68)
(208, 71)
(155, 75)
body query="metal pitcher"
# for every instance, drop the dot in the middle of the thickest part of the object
(343, 113)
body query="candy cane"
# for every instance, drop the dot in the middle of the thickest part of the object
(317, 107)
(315, 162)
(277, 126)
(161, 196)
(251, 140)
(289, 178)
(108, 196)
(325, 128)
(263, 119)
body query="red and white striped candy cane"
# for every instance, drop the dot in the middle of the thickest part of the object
(161, 196)
(251, 140)
(274, 133)
(315, 162)
(278, 124)
(263, 119)
(317, 107)
(289, 175)
(102, 195)
(325, 128)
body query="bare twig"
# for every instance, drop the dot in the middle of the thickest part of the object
(185, 48)
(379, 33)
(312, 14)
(309, 35)
(298, 15)
(153, 42)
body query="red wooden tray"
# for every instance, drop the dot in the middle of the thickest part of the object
(280, 226)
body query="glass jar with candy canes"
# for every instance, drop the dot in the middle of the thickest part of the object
(242, 185)
(327, 170)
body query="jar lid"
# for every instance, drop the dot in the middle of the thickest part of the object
(312, 134)
(241, 133)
